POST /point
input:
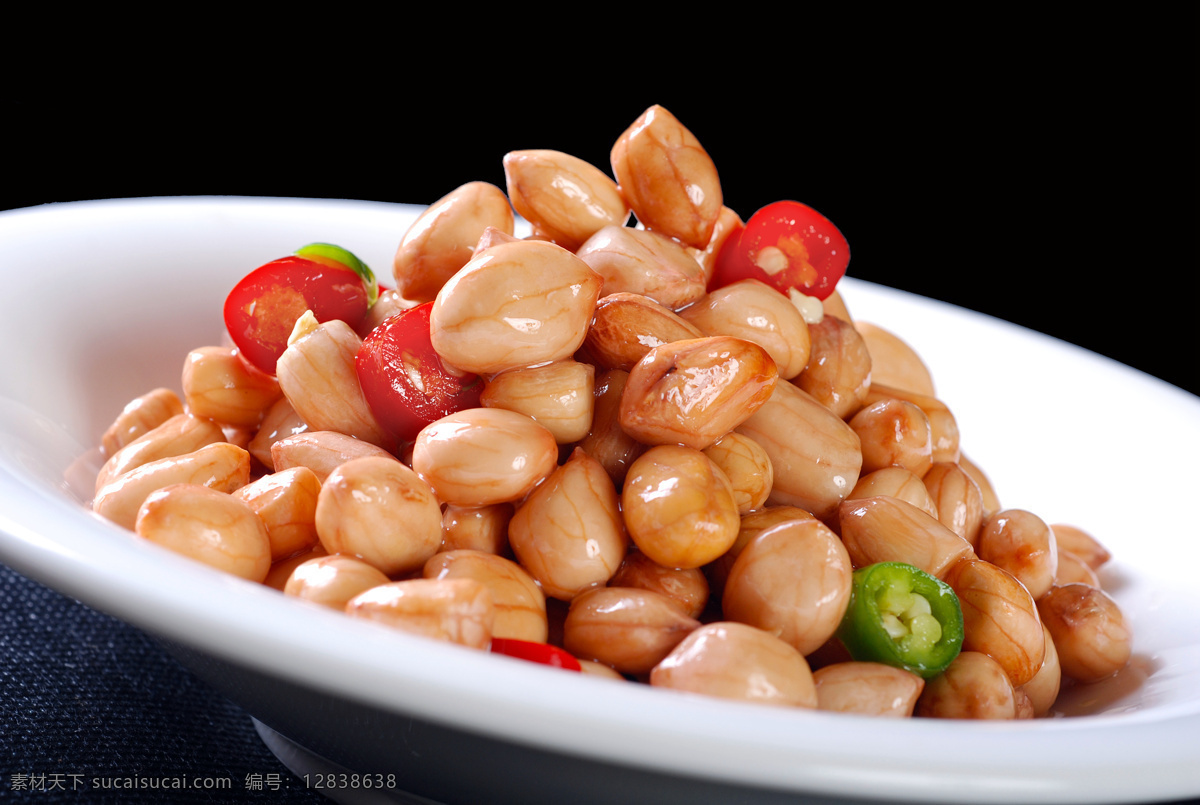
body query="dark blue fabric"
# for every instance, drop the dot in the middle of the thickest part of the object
(85, 699)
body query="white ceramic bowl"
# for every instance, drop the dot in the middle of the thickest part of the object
(103, 300)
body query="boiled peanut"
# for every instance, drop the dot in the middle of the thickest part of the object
(895, 482)
(792, 580)
(481, 456)
(630, 629)
(519, 601)
(643, 262)
(867, 688)
(884, 529)
(139, 416)
(286, 502)
(321, 451)
(317, 375)
(679, 507)
(563, 197)
(1000, 618)
(569, 533)
(735, 661)
(220, 385)
(747, 466)
(442, 239)
(558, 396)
(455, 610)
(209, 526)
(755, 311)
(220, 466)
(668, 178)
(1088, 629)
(628, 325)
(694, 392)
(974, 686)
(1021, 543)
(380, 510)
(838, 372)
(332, 581)
(513, 305)
(814, 455)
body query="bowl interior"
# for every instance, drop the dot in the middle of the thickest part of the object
(106, 298)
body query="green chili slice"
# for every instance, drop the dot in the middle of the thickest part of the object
(904, 617)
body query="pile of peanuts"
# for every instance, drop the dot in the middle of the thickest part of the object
(673, 485)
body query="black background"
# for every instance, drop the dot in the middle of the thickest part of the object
(1042, 171)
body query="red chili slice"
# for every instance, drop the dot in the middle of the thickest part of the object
(404, 380)
(542, 653)
(787, 245)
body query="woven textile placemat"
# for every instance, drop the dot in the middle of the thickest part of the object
(94, 710)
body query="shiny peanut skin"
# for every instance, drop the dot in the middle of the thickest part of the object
(991, 502)
(381, 511)
(209, 526)
(757, 312)
(442, 239)
(332, 581)
(1021, 543)
(884, 529)
(694, 392)
(894, 433)
(893, 361)
(220, 466)
(1073, 570)
(317, 375)
(752, 524)
(1088, 629)
(482, 456)
(218, 384)
(628, 325)
(942, 424)
(321, 451)
(514, 305)
(895, 482)
(867, 688)
(564, 198)
(286, 502)
(735, 661)
(279, 422)
(687, 588)
(748, 468)
(477, 528)
(454, 610)
(679, 507)
(974, 686)
(181, 434)
(1043, 688)
(569, 533)
(668, 178)
(139, 416)
(643, 262)
(390, 303)
(1082, 544)
(838, 372)
(729, 224)
(792, 580)
(1000, 618)
(629, 629)
(957, 497)
(519, 601)
(281, 571)
(558, 396)
(815, 455)
(607, 441)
